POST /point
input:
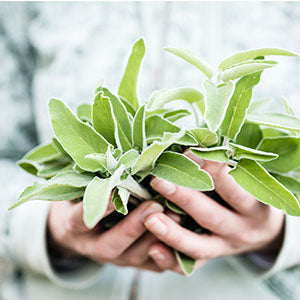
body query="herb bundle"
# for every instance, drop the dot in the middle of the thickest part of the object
(112, 147)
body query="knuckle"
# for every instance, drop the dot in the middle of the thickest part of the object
(134, 260)
(250, 238)
(132, 229)
(186, 200)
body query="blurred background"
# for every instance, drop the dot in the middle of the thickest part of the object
(63, 49)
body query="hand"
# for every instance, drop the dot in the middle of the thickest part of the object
(126, 244)
(249, 226)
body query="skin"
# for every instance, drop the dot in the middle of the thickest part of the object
(143, 239)
(249, 226)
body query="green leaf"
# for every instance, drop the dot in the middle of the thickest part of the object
(246, 152)
(247, 55)
(239, 102)
(138, 129)
(52, 168)
(288, 110)
(258, 105)
(173, 207)
(122, 120)
(251, 176)
(250, 135)
(177, 114)
(271, 132)
(289, 182)
(60, 149)
(149, 156)
(218, 154)
(180, 170)
(246, 69)
(120, 200)
(128, 106)
(42, 153)
(276, 120)
(96, 197)
(186, 263)
(128, 84)
(30, 166)
(204, 136)
(193, 59)
(84, 113)
(288, 149)
(188, 94)
(76, 137)
(216, 102)
(103, 117)
(128, 158)
(101, 159)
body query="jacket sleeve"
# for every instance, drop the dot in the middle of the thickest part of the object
(263, 267)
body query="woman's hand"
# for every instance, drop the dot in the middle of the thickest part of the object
(249, 226)
(126, 244)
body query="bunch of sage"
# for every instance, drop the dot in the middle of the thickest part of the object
(111, 148)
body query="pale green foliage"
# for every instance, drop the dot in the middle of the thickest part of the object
(114, 145)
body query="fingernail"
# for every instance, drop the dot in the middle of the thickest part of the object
(163, 186)
(156, 226)
(157, 254)
(153, 208)
(194, 157)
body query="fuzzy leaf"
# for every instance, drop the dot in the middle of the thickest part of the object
(204, 136)
(149, 156)
(84, 113)
(177, 114)
(291, 183)
(128, 84)
(188, 94)
(216, 102)
(101, 159)
(288, 149)
(239, 102)
(272, 132)
(76, 137)
(103, 117)
(193, 59)
(52, 168)
(250, 135)
(276, 120)
(120, 200)
(246, 69)
(96, 197)
(138, 130)
(258, 105)
(251, 54)
(122, 120)
(173, 207)
(180, 170)
(128, 158)
(218, 154)
(251, 176)
(186, 263)
(246, 152)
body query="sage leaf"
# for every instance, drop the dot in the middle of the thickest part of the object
(101, 159)
(188, 94)
(59, 147)
(251, 176)
(239, 102)
(84, 112)
(128, 84)
(276, 120)
(216, 102)
(128, 159)
(251, 54)
(177, 114)
(250, 135)
(249, 153)
(122, 120)
(149, 156)
(186, 263)
(138, 130)
(30, 166)
(291, 183)
(193, 59)
(180, 170)
(246, 69)
(130, 109)
(288, 110)
(120, 200)
(76, 137)
(173, 207)
(288, 149)
(258, 105)
(103, 118)
(204, 136)
(97, 196)
(272, 132)
(52, 168)
(218, 154)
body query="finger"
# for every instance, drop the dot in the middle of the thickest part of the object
(137, 254)
(197, 246)
(206, 211)
(74, 217)
(150, 266)
(227, 187)
(113, 242)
